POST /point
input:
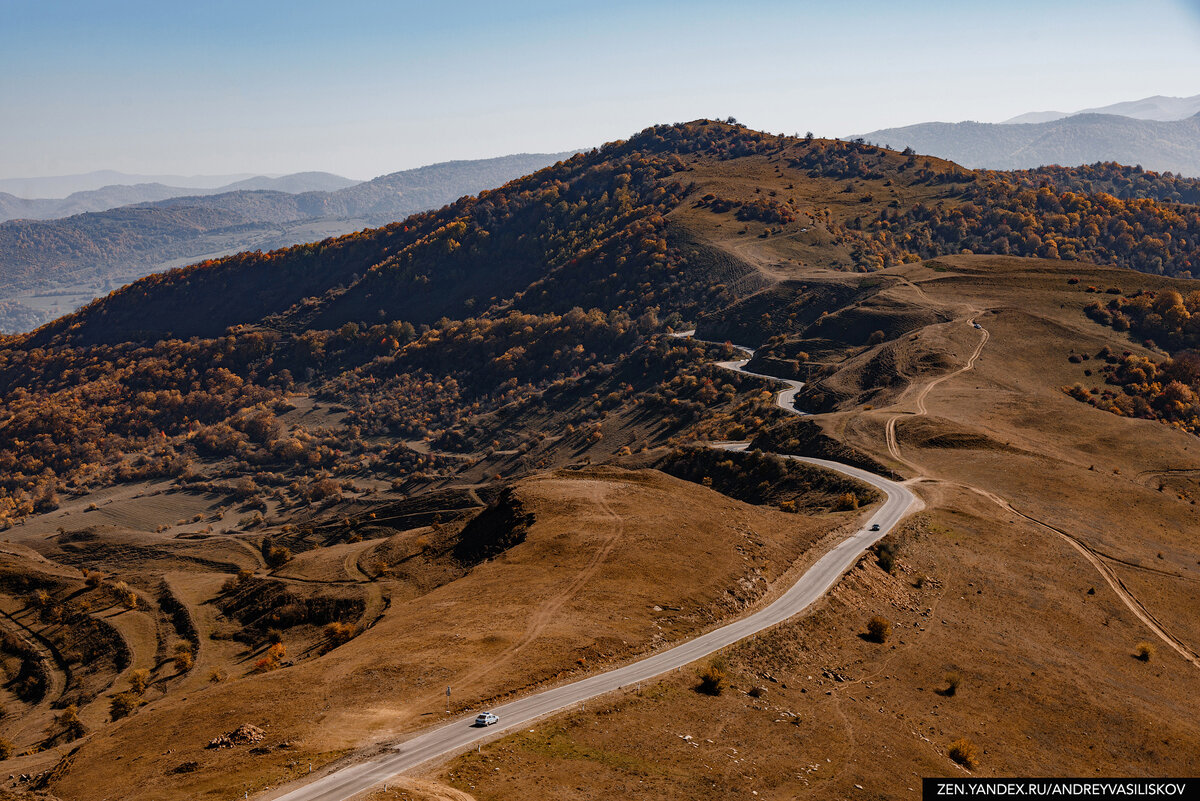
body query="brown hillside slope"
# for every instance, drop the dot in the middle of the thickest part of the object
(616, 562)
(1040, 628)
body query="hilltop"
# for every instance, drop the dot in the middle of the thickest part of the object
(304, 468)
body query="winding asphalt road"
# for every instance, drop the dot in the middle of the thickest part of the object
(814, 583)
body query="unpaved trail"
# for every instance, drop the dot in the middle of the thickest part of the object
(1094, 558)
(893, 443)
(351, 564)
(548, 610)
(1097, 560)
(924, 393)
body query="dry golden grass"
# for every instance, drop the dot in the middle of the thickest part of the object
(617, 562)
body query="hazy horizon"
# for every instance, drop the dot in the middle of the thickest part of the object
(273, 88)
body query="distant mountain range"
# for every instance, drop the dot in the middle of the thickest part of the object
(59, 186)
(1158, 108)
(49, 267)
(111, 196)
(1163, 146)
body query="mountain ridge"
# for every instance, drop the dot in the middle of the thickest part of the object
(416, 267)
(117, 195)
(60, 186)
(1157, 107)
(83, 255)
(1072, 141)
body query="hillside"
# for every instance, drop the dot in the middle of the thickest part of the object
(51, 266)
(1165, 146)
(281, 483)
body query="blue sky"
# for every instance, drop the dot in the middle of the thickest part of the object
(364, 88)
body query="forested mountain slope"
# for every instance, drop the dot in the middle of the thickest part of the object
(78, 257)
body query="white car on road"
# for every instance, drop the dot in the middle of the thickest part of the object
(486, 719)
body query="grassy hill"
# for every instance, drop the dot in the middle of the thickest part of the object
(326, 454)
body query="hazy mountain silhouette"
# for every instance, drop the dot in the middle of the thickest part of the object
(1157, 107)
(13, 207)
(1080, 139)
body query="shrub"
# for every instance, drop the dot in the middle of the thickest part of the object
(885, 555)
(338, 633)
(183, 657)
(123, 705)
(953, 680)
(125, 596)
(216, 675)
(713, 679)
(964, 752)
(265, 665)
(275, 555)
(1145, 651)
(273, 659)
(878, 629)
(6, 748)
(139, 680)
(69, 720)
(847, 502)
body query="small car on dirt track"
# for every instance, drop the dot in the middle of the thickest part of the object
(486, 719)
